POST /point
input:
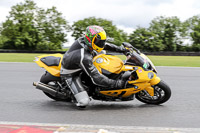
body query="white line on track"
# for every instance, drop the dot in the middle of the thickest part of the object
(134, 129)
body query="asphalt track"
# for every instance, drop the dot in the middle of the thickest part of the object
(21, 102)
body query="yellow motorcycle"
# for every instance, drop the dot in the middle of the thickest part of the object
(137, 69)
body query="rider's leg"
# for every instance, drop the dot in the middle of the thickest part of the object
(74, 83)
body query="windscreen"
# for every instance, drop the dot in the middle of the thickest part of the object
(137, 60)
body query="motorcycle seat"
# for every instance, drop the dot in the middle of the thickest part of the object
(51, 60)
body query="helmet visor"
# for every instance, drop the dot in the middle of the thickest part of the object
(100, 43)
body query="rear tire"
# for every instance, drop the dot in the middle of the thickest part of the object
(162, 93)
(47, 78)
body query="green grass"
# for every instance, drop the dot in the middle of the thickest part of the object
(17, 57)
(186, 61)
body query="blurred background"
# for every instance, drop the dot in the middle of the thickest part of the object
(149, 25)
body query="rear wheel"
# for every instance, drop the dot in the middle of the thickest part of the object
(162, 93)
(51, 80)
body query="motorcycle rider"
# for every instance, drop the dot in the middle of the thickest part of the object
(79, 58)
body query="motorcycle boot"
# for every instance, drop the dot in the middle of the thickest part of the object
(76, 87)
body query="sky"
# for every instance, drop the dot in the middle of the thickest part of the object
(125, 14)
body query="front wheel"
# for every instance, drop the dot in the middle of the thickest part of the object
(162, 93)
(51, 80)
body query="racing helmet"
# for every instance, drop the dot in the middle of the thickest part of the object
(95, 38)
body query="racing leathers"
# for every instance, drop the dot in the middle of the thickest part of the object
(79, 58)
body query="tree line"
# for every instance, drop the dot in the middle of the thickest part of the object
(30, 27)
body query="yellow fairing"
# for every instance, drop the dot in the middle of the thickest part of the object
(53, 70)
(142, 83)
(110, 63)
(155, 81)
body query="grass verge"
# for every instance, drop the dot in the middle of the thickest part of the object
(186, 61)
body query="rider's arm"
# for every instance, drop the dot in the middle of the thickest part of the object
(97, 78)
(114, 48)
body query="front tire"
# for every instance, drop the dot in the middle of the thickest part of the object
(49, 79)
(162, 93)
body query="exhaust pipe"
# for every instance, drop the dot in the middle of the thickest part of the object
(48, 89)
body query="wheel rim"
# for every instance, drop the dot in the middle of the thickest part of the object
(159, 94)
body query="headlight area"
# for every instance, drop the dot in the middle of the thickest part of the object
(150, 75)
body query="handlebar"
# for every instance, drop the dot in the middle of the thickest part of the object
(128, 45)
